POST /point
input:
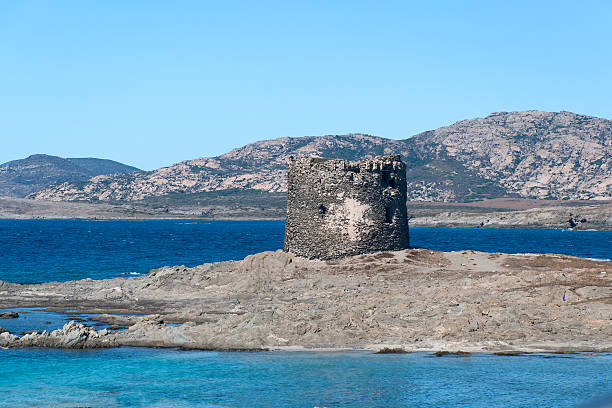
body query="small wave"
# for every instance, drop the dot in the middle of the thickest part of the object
(131, 273)
(600, 259)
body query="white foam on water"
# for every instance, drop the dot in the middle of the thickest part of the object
(600, 259)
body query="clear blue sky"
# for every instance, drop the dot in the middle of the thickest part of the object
(150, 83)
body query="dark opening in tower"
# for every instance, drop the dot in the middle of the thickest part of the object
(322, 209)
(388, 215)
(387, 179)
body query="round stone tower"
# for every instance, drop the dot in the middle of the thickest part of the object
(338, 208)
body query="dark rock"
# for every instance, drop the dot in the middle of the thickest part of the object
(510, 353)
(451, 353)
(9, 315)
(387, 350)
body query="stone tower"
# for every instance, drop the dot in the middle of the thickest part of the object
(338, 208)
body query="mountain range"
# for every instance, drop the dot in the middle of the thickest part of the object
(529, 154)
(18, 178)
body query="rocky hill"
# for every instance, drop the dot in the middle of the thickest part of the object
(529, 154)
(19, 178)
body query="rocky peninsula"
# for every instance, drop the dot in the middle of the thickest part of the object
(413, 300)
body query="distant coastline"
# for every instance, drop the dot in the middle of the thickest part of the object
(496, 213)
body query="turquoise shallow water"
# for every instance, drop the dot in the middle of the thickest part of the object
(41, 319)
(131, 377)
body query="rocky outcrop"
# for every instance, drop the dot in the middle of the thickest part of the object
(71, 336)
(413, 299)
(552, 155)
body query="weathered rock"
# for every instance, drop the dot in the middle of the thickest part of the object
(9, 315)
(414, 299)
(7, 339)
(71, 336)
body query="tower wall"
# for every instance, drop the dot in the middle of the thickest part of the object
(338, 208)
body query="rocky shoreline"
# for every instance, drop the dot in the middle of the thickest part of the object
(413, 300)
(595, 217)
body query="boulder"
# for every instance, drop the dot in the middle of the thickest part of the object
(7, 339)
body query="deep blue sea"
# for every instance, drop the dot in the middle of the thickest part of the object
(59, 250)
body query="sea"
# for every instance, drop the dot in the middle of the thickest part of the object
(34, 251)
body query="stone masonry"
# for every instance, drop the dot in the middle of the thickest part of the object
(338, 208)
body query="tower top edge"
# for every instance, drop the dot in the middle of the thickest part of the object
(313, 160)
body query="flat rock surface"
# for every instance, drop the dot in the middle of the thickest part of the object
(415, 299)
